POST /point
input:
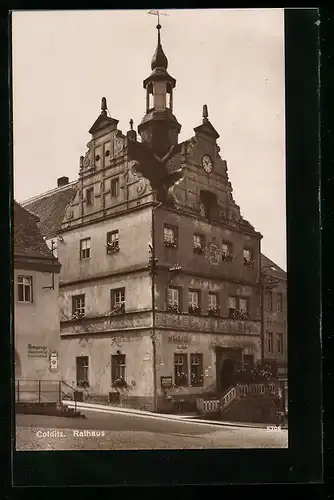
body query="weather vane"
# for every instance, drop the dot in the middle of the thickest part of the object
(157, 13)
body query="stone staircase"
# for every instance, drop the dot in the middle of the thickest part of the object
(254, 402)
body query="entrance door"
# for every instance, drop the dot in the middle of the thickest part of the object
(227, 374)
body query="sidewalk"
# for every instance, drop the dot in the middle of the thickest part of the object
(194, 419)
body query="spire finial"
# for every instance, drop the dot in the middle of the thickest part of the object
(103, 106)
(205, 113)
(131, 124)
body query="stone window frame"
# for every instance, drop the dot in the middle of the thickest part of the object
(114, 187)
(194, 308)
(112, 243)
(78, 310)
(170, 242)
(82, 366)
(280, 343)
(24, 285)
(243, 313)
(85, 250)
(198, 243)
(175, 306)
(181, 374)
(118, 306)
(196, 374)
(90, 196)
(118, 367)
(279, 302)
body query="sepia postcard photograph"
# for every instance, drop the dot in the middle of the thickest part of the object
(149, 230)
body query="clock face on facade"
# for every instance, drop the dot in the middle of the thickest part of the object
(207, 164)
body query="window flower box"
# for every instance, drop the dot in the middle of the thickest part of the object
(227, 257)
(118, 310)
(181, 380)
(173, 308)
(249, 262)
(198, 249)
(119, 383)
(83, 384)
(170, 244)
(197, 310)
(214, 311)
(78, 315)
(113, 247)
(239, 315)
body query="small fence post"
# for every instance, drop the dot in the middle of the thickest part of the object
(18, 391)
(59, 390)
(39, 391)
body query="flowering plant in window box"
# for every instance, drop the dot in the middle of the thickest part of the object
(182, 379)
(120, 309)
(198, 249)
(194, 310)
(112, 247)
(170, 244)
(173, 308)
(78, 315)
(227, 256)
(196, 379)
(120, 383)
(214, 311)
(237, 314)
(248, 262)
(83, 383)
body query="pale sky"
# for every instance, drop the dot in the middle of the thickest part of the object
(231, 60)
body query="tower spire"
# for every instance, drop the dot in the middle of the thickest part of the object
(103, 106)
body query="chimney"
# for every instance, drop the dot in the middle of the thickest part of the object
(62, 181)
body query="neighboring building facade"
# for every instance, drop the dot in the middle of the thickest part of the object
(36, 307)
(160, 278)
(275, 316)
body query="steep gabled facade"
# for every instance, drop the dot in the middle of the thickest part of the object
(160, 278)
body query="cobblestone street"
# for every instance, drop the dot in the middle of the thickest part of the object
(130, 432)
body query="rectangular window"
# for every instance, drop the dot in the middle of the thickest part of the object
(170, 236)
(24, 288)
(196, 370)
(114, 187)
(82, 371)
(198, 243)
(213, 305)
(78, 306)
(248, 257)
(280, 343)
(174, 299)
(269, 301)
(279, 302)
(117, 368)
(112, 242)
(238, 308)
(85, 246)
(227, 252)
(194, 302)
(270, 342)
(118, 301)
(180, 370)
(232, 305)
(90, 196)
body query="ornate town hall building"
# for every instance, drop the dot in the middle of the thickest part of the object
(159, 285)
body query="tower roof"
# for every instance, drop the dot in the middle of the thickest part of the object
(159, 59)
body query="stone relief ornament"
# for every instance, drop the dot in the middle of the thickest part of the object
(141, 186)
(119, 145)
(213, 254)
(69, 214)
